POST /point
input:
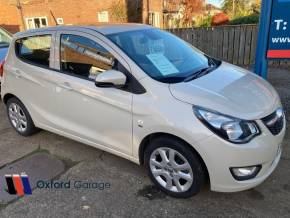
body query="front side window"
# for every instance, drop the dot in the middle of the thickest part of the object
(83, 57)
(34, 49)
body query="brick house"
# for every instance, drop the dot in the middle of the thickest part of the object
(18, 15)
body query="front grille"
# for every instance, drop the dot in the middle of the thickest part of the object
(275, 121)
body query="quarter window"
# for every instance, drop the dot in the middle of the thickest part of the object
(83, 57)
(35, 49)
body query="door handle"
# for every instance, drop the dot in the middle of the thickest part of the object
(65, 85)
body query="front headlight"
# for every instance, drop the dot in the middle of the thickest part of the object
(229, 128)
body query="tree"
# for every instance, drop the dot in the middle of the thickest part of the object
(191, 7)
(240, 8)
(119, 11)
(236, 8)
(256, 6)
(204, 22)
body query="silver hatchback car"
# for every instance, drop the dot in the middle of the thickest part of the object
(146, 95)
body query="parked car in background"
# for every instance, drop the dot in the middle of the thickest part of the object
(5, 39)
(148, 96)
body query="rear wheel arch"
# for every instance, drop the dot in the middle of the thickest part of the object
(146, 141)
(27, 125)
(8, 96)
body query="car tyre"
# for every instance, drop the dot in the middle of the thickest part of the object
(173, 167)
(20, 118)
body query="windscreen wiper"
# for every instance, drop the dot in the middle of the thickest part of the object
(199, 73)
(171, 79)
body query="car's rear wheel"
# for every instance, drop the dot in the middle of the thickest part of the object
(19, 117)
(174, 168)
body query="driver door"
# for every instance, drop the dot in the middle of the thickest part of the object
(102, 116)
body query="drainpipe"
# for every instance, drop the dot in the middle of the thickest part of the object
(19, 7)
(148, 9)
(53, 17)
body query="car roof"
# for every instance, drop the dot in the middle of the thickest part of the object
(106, 29)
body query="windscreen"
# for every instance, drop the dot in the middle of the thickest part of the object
(161, 55)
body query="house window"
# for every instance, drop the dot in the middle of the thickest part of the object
(59, 21)
(154, 19)
(103, 16)
(36, 22)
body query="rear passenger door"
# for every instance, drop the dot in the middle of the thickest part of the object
(102, 116)
(33, 77)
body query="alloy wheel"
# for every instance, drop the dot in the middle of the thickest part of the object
(17, 117)
(171, 169)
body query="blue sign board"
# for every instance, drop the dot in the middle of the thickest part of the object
(274, 34)
(279, 36)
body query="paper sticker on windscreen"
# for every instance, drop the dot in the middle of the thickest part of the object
(162, 64)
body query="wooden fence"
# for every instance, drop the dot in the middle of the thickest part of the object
(234, 44)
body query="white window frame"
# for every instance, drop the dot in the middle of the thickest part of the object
(154, 18)
(103, 19)
(59, 21)
(32, 18)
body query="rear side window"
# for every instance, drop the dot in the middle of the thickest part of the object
(34, 49)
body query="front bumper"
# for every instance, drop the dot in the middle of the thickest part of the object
(220, 156)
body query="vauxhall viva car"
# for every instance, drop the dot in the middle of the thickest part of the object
(147, 96)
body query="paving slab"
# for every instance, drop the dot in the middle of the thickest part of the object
(39, 166)
(13, 146)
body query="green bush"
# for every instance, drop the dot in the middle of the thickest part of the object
(251, 19)
(204, 22)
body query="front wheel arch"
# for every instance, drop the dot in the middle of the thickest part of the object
(146, 141)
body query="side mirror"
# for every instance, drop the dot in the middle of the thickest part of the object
(110, 78)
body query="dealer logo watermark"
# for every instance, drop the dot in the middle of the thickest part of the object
(72, 184)
(19, 184)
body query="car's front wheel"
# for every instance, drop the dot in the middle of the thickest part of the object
(174, 168)
(19, 117)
